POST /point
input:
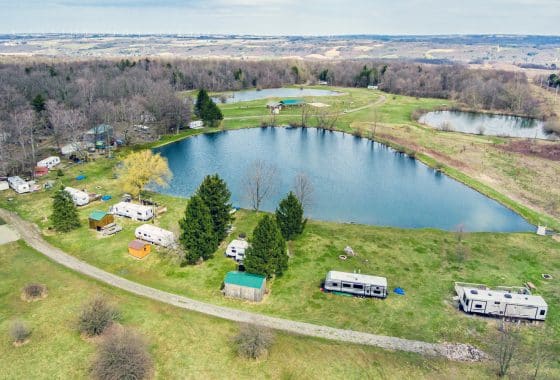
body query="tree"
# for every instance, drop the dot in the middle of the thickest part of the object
(206, 109)
(65, 215)
(142, 168)
(505, 348)
(303, 189)
(259, 182)
(96, 316)
(253, 341)
(19, 332)
(267, 253)
(197, 234)
(289, 217)
(38, 103)
(215, 194)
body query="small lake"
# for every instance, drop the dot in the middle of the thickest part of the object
(354, 179)
(486, 124)
(248, 95)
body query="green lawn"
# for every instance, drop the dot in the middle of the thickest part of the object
(183, 344)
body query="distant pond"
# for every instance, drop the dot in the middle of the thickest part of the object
(486, 124)
(354, 179)
(248, 95)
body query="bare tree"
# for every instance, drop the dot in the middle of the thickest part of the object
(506, 347)
(260, 181)
(303, 190)
(305, 114)
(328, 116)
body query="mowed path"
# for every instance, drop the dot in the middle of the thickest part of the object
(31, 234)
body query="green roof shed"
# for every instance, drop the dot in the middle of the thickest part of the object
(245, 285)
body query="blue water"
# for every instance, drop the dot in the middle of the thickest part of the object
(354, 180)
(248, 95)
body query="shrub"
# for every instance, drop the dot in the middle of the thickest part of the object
(59, 173)
(253, 341)
(96, 316)
(34, 291)
(552, 126)
(19, 332)
(122, 356)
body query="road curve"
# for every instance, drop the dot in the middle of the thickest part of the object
(31, 235)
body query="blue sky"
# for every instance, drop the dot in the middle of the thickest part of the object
(284, 17)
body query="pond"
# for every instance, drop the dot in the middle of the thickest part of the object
(248, 95)
(486, 124)
(354, 180)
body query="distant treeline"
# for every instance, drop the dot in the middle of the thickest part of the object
(58, 100)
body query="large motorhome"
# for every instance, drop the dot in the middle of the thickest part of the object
(19, 185)
(80, 198)
(49, 162)
(155, 235)
(357, 284)
(506, 302)
(133, 211)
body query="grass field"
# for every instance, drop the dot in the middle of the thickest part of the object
(183, 345)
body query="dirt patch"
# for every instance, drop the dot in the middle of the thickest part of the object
(7, 234)
(464, 352)
(42, 294)
(549, 151)
(21, 343)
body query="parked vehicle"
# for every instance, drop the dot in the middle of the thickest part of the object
(357, 284)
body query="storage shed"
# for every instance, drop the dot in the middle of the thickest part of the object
(80, 198)
(100, 219)
(139, 249)
(155, 235)
(243, 285)
(40, 171)
(133, 211)
(292, 102)
(509, 302)
(357, 284)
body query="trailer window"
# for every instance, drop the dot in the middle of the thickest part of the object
(334, 284)
(376, 292)
(496, 302)
(477, 306)
(543, 312)
(358, 286)
(344, 285)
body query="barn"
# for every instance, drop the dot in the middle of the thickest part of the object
(100, 219)
(139, 249)
(243, 285)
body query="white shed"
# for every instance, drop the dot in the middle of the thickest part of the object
(133, 211)
(19, 185)
(49, 162)
(4, 185)
(509, 302)
(236, 249)
(155, 235)
(80, 198)
(196, 124)
(357, 284)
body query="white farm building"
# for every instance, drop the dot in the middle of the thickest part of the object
(236, 249)
(80, 198)
(49, 162)
(155, 235)
(356, 284)
(19, 185)
(501, 302)
(133, 211)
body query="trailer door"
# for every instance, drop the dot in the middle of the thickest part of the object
(368, 290)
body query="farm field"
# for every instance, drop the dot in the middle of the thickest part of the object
(182, 344)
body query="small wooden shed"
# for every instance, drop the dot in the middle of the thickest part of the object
(243, 285)
(139, 248)
(100, 219)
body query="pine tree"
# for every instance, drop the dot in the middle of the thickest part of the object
(65, 215)
(267, 253)
(289, 217)
(201, 100)
(215, 194)
(206, 109)
(197, 235)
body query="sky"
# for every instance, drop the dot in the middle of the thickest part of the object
(281, 17)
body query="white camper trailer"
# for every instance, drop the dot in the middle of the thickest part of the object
(133, 211)
(356, 284)
(508, 302)
(19, 185)
(80, 198)
(155, 235)
(49, 162)
(4, 185)
(236, 249)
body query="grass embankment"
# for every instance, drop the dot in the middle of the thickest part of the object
(182, 344)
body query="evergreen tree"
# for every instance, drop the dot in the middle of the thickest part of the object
(267, 253)
(65, 215)
(289, 217)
(206, 109)
(201, 100)
(197, 235)
(215, 194)
(38, 103)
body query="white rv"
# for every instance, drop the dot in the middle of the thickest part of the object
(196, 124)
(80, 198)
(508, 302)
(4, 185)
(133, 211)
(356, 284)
(49, 162)
(155, 235)
(236, 249)
(19, 185)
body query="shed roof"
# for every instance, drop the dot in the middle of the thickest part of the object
(137, 244)
(97, 215)
(292, 102)
(249, 280)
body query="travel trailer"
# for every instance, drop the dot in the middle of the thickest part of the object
(505, 302)
(155, 235)
(49, 162)
(133, 211)
(4, 185)
(357, 284)
(80, 198)
(19, 185)
(236, 249)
